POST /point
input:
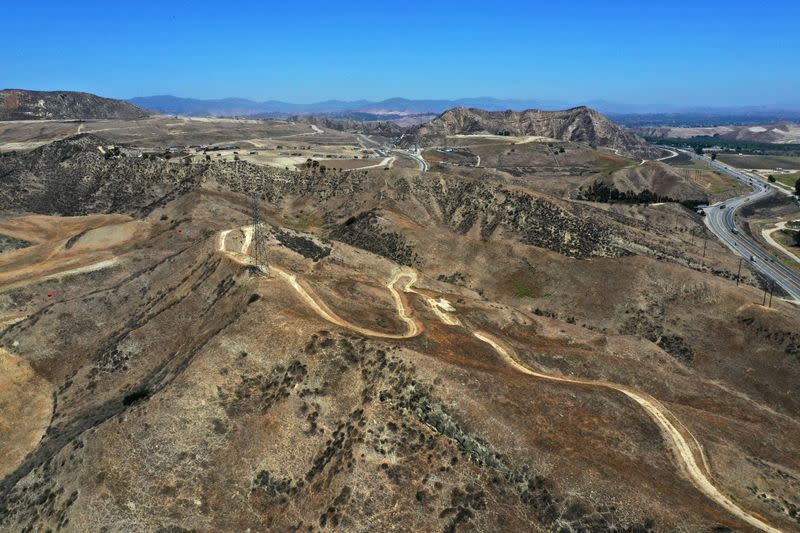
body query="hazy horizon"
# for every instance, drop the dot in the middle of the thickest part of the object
(720, 54)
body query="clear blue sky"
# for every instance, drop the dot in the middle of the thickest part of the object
(634, 51)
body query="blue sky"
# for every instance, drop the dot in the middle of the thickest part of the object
(682, 53)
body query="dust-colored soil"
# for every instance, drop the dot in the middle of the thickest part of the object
(65, 246)
(26, 405)
(687, 450)
(621, 379)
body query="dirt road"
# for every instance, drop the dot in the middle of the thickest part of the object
(767, 234)
(688, 452)
(412, 327)
(697, 472)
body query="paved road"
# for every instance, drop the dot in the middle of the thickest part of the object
(672, 153)
(721, 222)
(416, 156)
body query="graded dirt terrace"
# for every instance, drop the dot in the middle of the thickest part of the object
(274, 143)
(64, 246)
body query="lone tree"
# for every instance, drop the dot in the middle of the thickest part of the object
(771, 178)
(714, 156)
(698, 150)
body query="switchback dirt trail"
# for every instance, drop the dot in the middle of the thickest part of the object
(697, 472)
(412, 327)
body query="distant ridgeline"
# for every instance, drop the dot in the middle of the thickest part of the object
(18, 104)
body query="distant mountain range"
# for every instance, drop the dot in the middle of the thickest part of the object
(19, 104)
(174, 105)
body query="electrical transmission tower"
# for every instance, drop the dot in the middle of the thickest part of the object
(258, 244)
(258, 248)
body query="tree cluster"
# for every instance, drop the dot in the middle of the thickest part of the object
(602, 192)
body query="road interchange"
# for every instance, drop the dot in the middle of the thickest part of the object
(720, 219)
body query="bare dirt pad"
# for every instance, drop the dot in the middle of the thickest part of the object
(64, 245)
(25, 407)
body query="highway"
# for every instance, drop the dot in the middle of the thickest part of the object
(416, 155)
(720, 220)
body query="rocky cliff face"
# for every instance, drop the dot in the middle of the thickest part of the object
(579, 124)
(16, 104)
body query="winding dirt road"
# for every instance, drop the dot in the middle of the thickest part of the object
(412, 327)
(685, 446)
(697, 473)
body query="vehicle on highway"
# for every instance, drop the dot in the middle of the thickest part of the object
(753, 258)
(722, 206)
(735, 231)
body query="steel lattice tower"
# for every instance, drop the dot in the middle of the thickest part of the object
(258, 248)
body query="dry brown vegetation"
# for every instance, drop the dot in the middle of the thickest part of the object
(182, 389)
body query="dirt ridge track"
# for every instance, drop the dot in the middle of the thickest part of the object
(698, 473)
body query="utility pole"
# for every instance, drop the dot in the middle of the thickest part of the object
(764, 301)
(771, 289)
(705, 242)
(739, 273)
